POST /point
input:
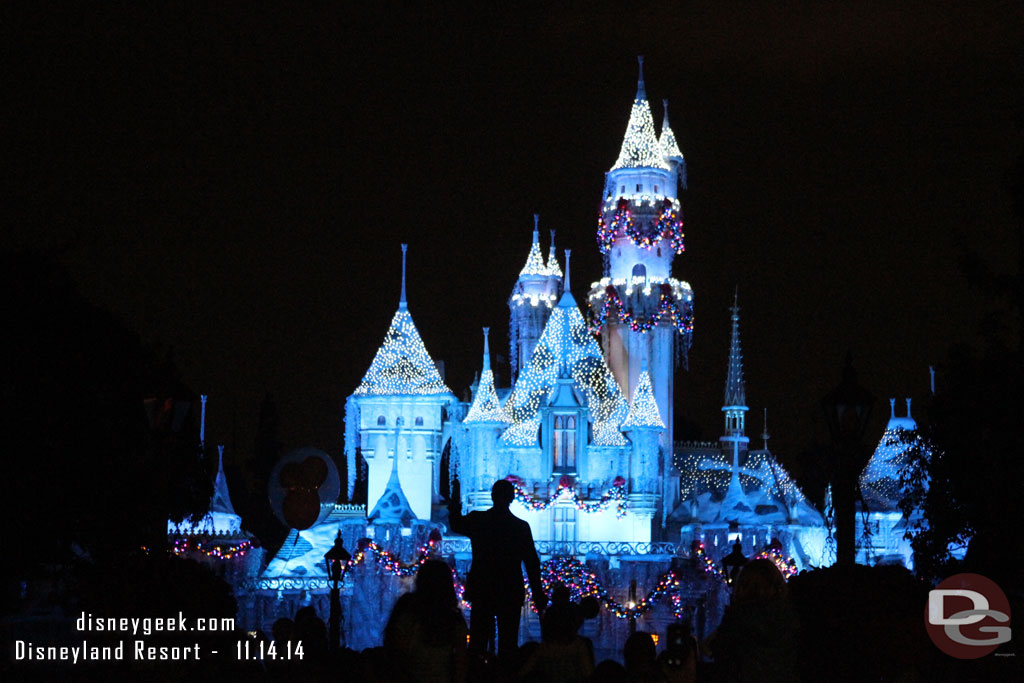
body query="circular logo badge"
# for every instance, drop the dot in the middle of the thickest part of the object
(967, 616)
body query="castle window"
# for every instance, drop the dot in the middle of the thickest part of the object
(419, 421)
(659, 252)
(640, 271)
(655, 189)
(564, 442)
(381, 421)
(639, 187)
(399, 421)
(623, 189)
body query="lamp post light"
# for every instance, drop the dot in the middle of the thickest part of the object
(846, 411)
(336, 560)
(733, 562)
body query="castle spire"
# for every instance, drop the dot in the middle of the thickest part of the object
(640, 148)
(401, 301)
(667, 141)
(485, 407)
(735, 388)
(641, 93)
(221, 499)
(553, 269)
(534, 262)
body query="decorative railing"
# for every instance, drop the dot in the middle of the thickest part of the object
(289, 583)
(557, 548)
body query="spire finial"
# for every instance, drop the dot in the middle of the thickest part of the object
(202, 422)
(536, 228)
(892, 409)
(487, 349)
(401, 302)
(641, 94)
(220, 458)
(931, 374)
(764, 434)
(566, 285)
(908, 410)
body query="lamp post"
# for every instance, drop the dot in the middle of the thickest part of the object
(336, 560)
(733, 562)
(846, 411)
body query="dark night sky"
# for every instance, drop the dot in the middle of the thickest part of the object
(234, 183)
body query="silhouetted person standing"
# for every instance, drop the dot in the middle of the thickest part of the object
(502, 544)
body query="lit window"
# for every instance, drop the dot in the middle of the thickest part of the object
(564, 442)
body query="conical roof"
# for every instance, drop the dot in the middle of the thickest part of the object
(644, 411)
(640, 148)
(667, 141)
(402, 365)
(221, 498)
(553, 269)
(535, 261)
(566, 348)
(880, 480)
(486, 407)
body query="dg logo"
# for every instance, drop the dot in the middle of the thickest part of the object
(968, 616)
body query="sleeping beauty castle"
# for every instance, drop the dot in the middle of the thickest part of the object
(584, 432)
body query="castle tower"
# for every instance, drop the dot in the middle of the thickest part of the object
(734, 404)
(640, 310)
(534, 295)
(398, 411)
(485, 421)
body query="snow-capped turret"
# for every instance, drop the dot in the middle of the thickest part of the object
(566, 349)
(486, 409)
(643, 411)
(402, 364)
(553, 269)
(533, 296)
(640, 148)
(670, 148)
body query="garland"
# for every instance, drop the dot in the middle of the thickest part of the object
(667, 226)
(219, 551)
(786, 565)
(617, 492)
(667, 308)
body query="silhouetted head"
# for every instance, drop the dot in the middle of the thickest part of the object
(502, 493)
(639, 653)
(434, 583)
(759, 580)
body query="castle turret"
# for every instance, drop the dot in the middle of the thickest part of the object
(534, 295)
(639, 309)
(485, 422)
(401, 402)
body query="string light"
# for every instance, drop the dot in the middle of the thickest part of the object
(485, 407)
(786, 565)
(644, 411)
(212, 549)
(402, 365)
(880, 480)
(567, 489)
(667, 226)
(640, 148)
(534, 262)
(673, 305)
(566, 349)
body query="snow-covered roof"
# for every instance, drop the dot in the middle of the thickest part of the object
(535, 261)
(880, 480)
(644, 410)
(667, 141)
(758, 490)
(486, 407)
(640, 147)
(402, 365)
(221, 520)
(566, 348)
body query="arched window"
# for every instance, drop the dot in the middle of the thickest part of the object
(419, 421)
(399, 421)
(564, 442)
(381, 421)
(640, 271)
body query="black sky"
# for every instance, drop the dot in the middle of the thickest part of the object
(234, 182)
